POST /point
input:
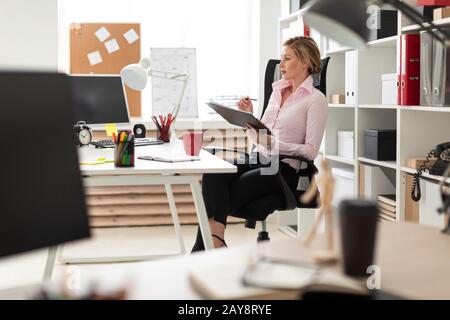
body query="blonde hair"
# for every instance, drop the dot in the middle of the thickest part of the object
(306, 49)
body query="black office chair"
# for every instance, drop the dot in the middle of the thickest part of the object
(286, 199)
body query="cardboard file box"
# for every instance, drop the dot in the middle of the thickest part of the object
(389, 88)
(441, 13)
(345, 144)
(387, 25)
(337, 99)
(380, 144)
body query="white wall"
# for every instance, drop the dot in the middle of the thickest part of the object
(29, 34)
(270, 12)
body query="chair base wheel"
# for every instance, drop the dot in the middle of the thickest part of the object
(263, 236)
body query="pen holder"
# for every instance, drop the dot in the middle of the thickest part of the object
(164, 133)
(124, 154)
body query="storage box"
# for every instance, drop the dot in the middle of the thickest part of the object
(415, 163)
(441, 13)
(433, 3)
(380, 144)
(426, 11)
(387, 25)
(389, 88)
(337, 99)
(344, 184)
(345, 144)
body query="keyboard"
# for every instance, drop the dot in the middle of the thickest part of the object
(138, 142)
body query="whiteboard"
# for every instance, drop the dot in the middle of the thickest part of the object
(166, 92)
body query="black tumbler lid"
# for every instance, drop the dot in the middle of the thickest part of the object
(355, 206)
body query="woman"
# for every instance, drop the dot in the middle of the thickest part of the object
(296, 116)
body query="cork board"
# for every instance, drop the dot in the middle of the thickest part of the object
(105, 48)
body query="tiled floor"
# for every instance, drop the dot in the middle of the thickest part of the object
(29, 268)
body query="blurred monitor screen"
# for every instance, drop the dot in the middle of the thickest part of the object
(41, 188)
(99, 99)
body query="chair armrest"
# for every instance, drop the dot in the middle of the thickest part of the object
(309, 162)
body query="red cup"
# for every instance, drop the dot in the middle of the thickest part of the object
(192, 142)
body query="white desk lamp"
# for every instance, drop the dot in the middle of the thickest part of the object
(135, 76)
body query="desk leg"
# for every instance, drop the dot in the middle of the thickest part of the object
(176, 221)
(50, 264)
(201, 214)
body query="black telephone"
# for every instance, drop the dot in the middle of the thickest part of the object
(442, 153)
(445, 196)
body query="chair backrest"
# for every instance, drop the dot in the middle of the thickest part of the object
(273, 73)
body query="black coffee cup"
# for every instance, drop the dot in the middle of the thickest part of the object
(358, 225)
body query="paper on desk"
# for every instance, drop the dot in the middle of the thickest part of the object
(94, 58)
(270, 274)
(224, 281)
(131, 36)
(99, 160)
(110, 129)
(102, 34)
(112, 45)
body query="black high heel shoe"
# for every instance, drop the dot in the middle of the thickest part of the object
(221, 240)
(198, 245)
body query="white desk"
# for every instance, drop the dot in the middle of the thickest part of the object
(414, 261)
(148, 173)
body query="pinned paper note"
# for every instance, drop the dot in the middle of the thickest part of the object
(102, 34)
(112, 45)
(94, 58)
(110, 129)
(131, 36)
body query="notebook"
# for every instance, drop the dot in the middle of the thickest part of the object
(268, 279)
(170, 158)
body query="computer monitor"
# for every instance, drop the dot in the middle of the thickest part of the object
(42, 196)
(99, 99)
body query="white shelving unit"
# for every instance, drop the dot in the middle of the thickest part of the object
(340, 159)
(425, 175)
(419, 128)
(389, 42)
(386, 164)
(425, 109)
(342, 105)
(377, 106)
(416, 27)
(338, 50)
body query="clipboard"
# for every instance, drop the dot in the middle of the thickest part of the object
(237, 117)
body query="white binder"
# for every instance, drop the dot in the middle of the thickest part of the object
(426, 68)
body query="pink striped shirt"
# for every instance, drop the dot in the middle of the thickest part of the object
(297, 126)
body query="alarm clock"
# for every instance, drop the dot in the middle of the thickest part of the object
(139, 131)
(82, 134)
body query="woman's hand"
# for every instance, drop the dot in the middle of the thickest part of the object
(259, 136)
(245, 104)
